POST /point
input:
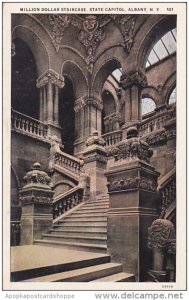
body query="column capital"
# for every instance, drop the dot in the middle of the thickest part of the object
(50, 76)
(87, 100)
(131, 78)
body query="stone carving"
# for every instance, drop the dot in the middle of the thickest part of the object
(95, 139)
(91, 32)
(35, 200)
(132, 183)
(36, 177)
(133, 148)
(133, 78)
(160, 234)
(51, 76)
(58, 23)
(157, 137)
(13, 49)
(126, 25)
(80, 103)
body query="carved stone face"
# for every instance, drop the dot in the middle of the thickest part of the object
(90, 24)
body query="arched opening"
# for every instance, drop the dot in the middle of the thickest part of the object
(172, 97)
(109, 109)
(24, 93)
(147, 106)
(67, 115)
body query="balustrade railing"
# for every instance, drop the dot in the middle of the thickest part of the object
(15, 233)
(112, 138)
(67, 161)
(157, 121)
(67, 201)
(168, 193)
(28, 125)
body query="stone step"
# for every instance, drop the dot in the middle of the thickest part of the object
(96, 203)
(118, 277)
(29, 261)
(88, 227)
(75, 246)
(84, 219)
(76, 239)
(83, 222)
(84, 232)
(81, 275)
(87, 211)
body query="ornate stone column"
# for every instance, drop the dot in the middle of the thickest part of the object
(36, 200)
(161, 240)
(133, 82)
(49, 84)
(87, 119)
(95, 162)
(132, 185)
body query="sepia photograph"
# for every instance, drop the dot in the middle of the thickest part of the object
(92, 110)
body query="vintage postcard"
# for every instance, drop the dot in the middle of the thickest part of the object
(94, 153)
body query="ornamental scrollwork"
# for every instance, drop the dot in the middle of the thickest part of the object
(133, 78)
(160, 234)
(95, 139)
(36, 200)
(50, 76)
(84, 101)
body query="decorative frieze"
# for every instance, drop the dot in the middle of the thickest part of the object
(133, 78)
(132, 183)
(50, 76)
(32, 199)
(157, 137)
(84, 101)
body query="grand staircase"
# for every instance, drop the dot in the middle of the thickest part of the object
(81, 234)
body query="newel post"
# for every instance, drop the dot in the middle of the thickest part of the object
(36, 200)
(132, 187)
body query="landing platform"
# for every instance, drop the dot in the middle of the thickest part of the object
(29, 261)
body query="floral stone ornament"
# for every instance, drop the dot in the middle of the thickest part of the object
(131, 149)
(95, 139)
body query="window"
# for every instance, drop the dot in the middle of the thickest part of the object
(172, 97)
(117, 74)
(163, 48)
(148, 105)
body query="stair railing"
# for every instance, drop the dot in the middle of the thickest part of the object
(167, 189)
(64, 202)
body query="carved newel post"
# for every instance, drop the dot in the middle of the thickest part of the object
(95, 163)
(162, 241)
(132, 185)
(36, 200)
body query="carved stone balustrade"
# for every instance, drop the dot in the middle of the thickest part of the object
(26, 125)
(36, 200)
(112, 138)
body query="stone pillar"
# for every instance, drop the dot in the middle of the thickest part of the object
(161, 240)
(132, 186)
(36, 200)
(87, 118)
(51, 81)
(133, 83)
(95, 163)
(41, 104)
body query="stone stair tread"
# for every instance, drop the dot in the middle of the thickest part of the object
(118, 277)
(90, 212)
(84, 226)
(88, 216)
(75, 237)
(43, 241)
(77, 231)
(76, 274)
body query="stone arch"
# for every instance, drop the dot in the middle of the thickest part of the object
(151, 92)
(77, 76)
(145, 39)
(168, 86)
(36, 45)
(154, 33)
(102, 74)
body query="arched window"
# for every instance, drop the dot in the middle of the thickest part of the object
(172, 97)
(163, 48)
(147, 105)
